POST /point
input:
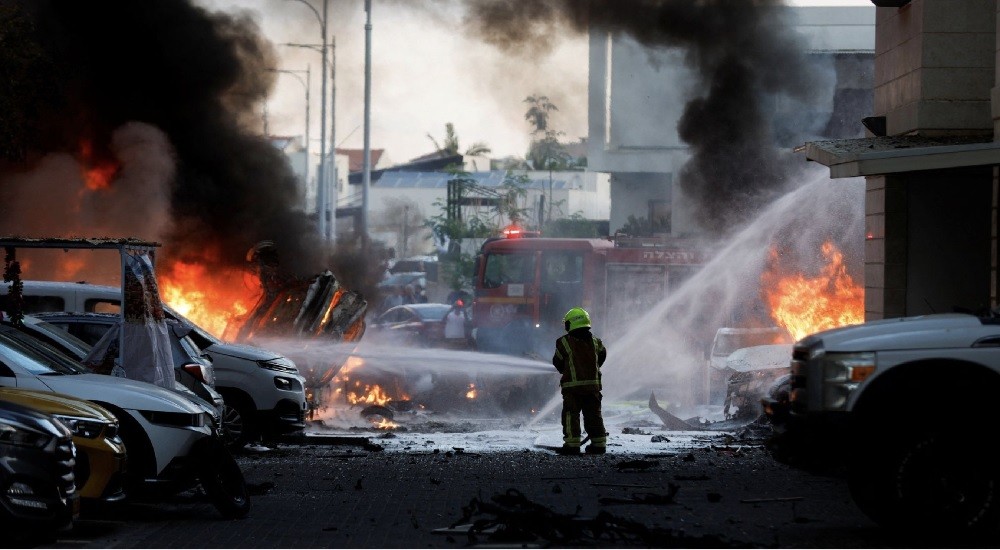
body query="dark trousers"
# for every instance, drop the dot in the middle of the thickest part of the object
(588, 403)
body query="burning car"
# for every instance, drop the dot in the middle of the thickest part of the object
(753, 372)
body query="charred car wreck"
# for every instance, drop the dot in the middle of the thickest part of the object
(304, 307)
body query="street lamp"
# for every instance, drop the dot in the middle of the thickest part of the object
(305, 84)
(321, 199)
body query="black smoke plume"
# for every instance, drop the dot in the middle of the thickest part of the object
(743, 52)
(122, 75)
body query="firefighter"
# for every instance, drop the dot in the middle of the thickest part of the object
(578, 358)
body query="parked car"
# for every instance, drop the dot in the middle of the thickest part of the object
(263, 391)
(412, 324)
(37, 488)
(191, 367)
(172, 442)
(415, 281)
(100, 458)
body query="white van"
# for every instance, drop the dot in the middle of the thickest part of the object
(263, 391)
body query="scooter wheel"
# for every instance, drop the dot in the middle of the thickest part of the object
(223, 481)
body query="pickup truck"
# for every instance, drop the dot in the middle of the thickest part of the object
(907, 408)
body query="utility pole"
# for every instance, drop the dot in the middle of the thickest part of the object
(331, 234)
(305, 84)
(322, 175)
(368, 115)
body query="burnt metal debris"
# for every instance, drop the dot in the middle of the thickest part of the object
(510, 517)
(306, 307)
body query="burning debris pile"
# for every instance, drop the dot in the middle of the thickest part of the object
(393, 388)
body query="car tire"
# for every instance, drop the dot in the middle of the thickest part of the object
(222, 479)
(932, 481)
(239, 426)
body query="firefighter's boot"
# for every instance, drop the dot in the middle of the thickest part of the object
(567, 450)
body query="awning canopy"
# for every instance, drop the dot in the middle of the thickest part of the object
(849, 158)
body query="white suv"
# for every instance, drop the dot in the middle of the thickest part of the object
(263, 391)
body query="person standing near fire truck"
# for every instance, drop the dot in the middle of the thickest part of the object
(578, 358)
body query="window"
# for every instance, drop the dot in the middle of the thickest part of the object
(98, 305)
(40, 304)
(502, 269)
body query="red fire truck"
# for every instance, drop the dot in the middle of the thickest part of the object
(524, 285)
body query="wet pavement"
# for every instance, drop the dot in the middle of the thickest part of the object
(710, 490)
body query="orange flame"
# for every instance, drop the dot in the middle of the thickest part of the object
(384, 424)
(471, 394)
(209, 296)
(808, 305)
(97, 173)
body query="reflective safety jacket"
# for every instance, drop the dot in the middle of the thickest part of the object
(578, 357)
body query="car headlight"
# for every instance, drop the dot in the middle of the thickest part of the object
(15, 434)
(277, 365)
(842, 373)
(848, 367)
(182, 420)
(82, 427)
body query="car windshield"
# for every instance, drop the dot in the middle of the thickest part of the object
(34, 356)
(434, 312)
(504, 269)
(59, 338)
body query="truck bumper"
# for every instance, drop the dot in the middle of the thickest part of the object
(816, 441)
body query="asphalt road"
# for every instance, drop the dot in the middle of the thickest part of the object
(724, 493)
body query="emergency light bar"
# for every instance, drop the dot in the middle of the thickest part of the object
(516, 232)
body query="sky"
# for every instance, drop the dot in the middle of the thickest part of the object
(426, 72)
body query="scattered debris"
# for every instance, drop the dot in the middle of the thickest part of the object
(258, 489)
(735, 452)
(637, 464)
(377, 410)
(510, 518)
(645, 498)
(659, 439)
(775, 499)
(700, 477)
(634, 431)
(628, 485)
(670, 421)
(305, 307)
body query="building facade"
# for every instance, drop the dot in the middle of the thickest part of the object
(930, 161)
(637, 95)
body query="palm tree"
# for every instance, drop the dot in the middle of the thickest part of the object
(451, 146)
(538, 112)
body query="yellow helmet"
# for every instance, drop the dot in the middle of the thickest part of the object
(576, 318)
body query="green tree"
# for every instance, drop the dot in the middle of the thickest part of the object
(450, 145)
(456, 221)
(544, 152)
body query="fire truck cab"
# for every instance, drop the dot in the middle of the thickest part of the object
(524, 286)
